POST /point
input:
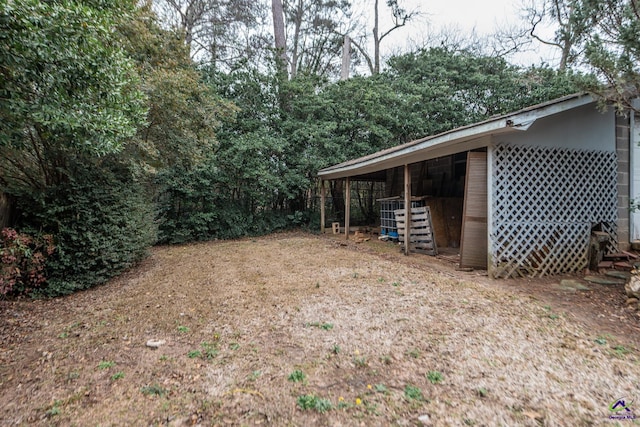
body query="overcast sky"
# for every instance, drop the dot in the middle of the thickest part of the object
(483, 16)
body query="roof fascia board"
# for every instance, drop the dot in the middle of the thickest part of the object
(407, 155)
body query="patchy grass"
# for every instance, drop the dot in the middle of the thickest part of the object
(388, 340)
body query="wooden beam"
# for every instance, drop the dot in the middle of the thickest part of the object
(322, 203)
(347, 207)
(407, 208)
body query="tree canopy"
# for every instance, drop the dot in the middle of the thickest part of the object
(67, 86)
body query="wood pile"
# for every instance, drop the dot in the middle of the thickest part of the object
(620, 261)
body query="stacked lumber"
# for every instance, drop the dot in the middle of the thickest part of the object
(421, 235)
(620, 261)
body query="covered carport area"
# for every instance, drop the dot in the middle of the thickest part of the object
(529, 196)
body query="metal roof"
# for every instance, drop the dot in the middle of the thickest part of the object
(454, 141)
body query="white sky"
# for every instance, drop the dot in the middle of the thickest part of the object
(483, 16)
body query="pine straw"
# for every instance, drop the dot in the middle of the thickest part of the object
(359, 326)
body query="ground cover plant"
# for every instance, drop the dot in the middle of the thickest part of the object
(244, 343)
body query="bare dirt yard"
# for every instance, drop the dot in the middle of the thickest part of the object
(299, 330)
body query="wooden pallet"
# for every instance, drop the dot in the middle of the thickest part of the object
(421, 236)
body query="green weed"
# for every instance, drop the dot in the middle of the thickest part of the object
(381, 388)
(297, 376)
(153, 390)
(415, 353)
(55, 409)
(208, 352)
(106, 364)
(118, 375)
(601, 341)
(434, 377)
(621, 350)
(324, 326)
(310, 402)
(194, 353)
(413, 393)
(254, 375)
(360, 362)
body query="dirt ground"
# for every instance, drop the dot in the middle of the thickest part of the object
(297, 330)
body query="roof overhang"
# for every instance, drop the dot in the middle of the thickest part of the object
(454, 141)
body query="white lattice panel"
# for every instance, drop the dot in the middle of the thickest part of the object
(545, 202)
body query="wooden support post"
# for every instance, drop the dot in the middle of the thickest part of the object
(347, 207)
(407, 208)
(322, 203)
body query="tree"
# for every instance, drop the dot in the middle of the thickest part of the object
(400, 18)
(448, 88)
(315, 35)
(71, 104)
(569, 31)
(279, 36)
(67, 87)
(184, 111)
(613, 48)
(221, 33)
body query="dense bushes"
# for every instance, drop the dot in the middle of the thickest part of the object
(102, 221)
(197, 205)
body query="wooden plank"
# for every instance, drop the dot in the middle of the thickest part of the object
(623, 265)
(322, 205)
(420, 236)
(473, 244)
(347, 207)
(605, 264)
(615, 256)
(407, 203)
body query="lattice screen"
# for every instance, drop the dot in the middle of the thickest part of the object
(545, 203)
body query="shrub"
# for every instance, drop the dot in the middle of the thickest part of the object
(102, 222)
(23, 260)
(197, 205)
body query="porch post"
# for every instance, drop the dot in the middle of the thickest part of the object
(347, 207)
(322, 203)
(407, 207)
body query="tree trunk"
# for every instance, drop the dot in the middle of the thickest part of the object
(376, 41)
(6, 210)
(337, 196)
(346, 58)
(278, 34)
(299, 12)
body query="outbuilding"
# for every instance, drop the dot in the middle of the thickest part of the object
(522, 192)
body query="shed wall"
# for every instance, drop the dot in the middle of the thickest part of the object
(623, 133)
(634, 190)
(582, 128)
